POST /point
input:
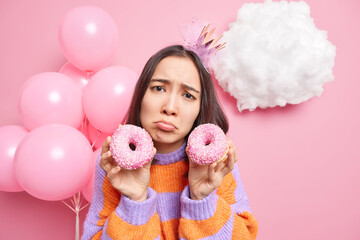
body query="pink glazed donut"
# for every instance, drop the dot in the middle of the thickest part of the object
(123, 154)
(207, 144)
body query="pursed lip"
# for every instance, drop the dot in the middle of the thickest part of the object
(166, 126)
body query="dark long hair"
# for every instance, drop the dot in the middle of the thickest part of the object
(210, 110)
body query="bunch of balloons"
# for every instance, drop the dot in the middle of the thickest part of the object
(63, 113)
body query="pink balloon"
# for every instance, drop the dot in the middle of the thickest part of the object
(107, 97)
(88, 38)
(50, 97)
(10, 137)
(81, 78)
(95, 136)
(53, 162)
(88, 190)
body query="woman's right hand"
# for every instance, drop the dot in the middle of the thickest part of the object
(130, 183)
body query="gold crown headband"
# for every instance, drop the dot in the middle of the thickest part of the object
(210, 42)
(203, 44)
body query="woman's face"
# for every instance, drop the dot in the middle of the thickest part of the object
(171, 103)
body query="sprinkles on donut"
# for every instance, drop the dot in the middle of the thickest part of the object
(127, 137)
(207, 144)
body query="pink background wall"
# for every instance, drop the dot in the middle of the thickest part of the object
(299, 164)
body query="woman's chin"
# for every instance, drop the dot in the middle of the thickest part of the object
(167, 145)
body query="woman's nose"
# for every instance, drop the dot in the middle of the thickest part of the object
(170, 106)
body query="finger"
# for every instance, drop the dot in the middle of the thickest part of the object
(224, 161)
(192, 164)
(235, 156)
(220, 165)
(113, 172)
(233, 149)
(107, 166)
(107, 162)
(154, 149)
(229, 166)
(105, 146)
(234, 153)
(230, 163)
(103, 158)
(147, 165)
(211, 170)
(231, 145)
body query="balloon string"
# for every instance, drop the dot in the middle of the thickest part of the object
(76, 208)
(83, 124)
(98, 131)
(86, 123)
(88, 76)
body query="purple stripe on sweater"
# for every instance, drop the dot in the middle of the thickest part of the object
(90, 230)
(173, 157)
(137, 213)
(242, 203)
(104, 235)
(200, 209)
(169, 206)
(97, 203)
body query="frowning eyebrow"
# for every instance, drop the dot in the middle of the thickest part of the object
(167, 82)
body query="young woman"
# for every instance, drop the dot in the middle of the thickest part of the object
(171, 197)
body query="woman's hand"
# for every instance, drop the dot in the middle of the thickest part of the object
(203, 179)
(131, 183)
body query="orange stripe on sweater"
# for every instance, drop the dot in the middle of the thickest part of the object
(195, 229)
(119, 229)
(111, 201)
(245, 227)
(97, 236)
(169, 229)
(227, 189)
(169, 178)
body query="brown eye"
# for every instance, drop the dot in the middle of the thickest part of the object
(189, 96)
(158, 88)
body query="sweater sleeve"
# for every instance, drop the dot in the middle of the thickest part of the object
(112, 216)
(224, 214)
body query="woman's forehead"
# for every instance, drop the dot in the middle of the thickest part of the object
(178, 69)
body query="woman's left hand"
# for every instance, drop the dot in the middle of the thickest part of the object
(204, 179)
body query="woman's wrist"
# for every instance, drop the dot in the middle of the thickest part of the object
(141, 197)
(194, 196)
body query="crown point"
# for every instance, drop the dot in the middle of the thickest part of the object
(209, 42)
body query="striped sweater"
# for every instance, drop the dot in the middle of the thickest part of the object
(168, 212)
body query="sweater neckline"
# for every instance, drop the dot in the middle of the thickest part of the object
(173, 157)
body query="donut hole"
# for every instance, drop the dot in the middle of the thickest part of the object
(208, 138)
(132, 146)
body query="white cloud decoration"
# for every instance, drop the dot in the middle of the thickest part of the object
(274, 55)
